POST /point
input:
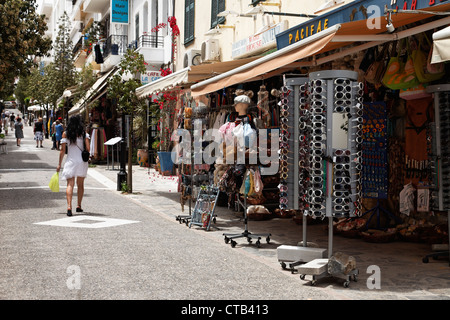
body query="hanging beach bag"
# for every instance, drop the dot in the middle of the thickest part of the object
(421, 60)
(374, 73)
(399, 74)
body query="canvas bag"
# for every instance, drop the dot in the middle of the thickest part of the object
(374, 73)
(421, 63)
(399, 74)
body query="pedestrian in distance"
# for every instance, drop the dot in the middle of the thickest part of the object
(12, 119)
(18, 126)
(39, 131)
(59, 128)
(53, 135)
(5, 120)
(74, 139)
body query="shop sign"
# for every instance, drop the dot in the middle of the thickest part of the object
(119, 11)
(354, 11)
(150, 76)
(258, 43)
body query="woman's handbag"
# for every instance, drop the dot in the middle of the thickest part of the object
(85, 155)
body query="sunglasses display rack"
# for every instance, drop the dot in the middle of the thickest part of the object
(335, 185)
(288, 150)
(440, 195)
(441, 150)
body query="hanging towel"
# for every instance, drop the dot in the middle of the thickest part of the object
(98, 54)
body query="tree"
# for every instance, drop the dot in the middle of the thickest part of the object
(21, 41)
(64, 73)
(122, 88)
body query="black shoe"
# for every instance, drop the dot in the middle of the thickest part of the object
(69, 212)
(79, 209)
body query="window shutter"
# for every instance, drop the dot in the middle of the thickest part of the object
(189, 20)
(216, 7)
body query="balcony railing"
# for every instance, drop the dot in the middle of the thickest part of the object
(147, 41)
(115, 45)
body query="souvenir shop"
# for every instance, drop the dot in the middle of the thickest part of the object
(362, 128)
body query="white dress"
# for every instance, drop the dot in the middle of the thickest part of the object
(74, 165)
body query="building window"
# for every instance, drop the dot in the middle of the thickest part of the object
(136, 23)
(189, 20)
(216, 7)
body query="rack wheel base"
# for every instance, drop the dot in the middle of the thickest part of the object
(283, 265)
(233, 243)
(346, 284)
(226, 240)
(268, 239)
(258, 244)
(302, 277)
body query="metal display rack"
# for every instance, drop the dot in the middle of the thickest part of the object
(203, 212)
(440, 195)
(327, 180)
(230, 237)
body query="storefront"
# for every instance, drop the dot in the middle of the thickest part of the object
(100, 116)
(361, 119)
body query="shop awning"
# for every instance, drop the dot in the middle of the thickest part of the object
(35, 108)
(96, 87)
(441, 46)
(189, 76)
(266, 64)
(350, 37)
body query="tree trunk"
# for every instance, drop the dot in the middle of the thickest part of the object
(130, 157)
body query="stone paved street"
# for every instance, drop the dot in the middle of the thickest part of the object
(130, 246)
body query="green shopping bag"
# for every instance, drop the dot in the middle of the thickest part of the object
(54, 182)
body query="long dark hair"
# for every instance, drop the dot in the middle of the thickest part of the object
(75, 128)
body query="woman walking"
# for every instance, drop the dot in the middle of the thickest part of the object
(18, 126)
(39, 130)
(75, 140)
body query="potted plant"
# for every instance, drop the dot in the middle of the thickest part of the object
(165, 106)
(2, 138)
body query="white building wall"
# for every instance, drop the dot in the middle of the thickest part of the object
(243, 26)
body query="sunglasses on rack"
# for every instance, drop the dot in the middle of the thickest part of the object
(340, 194)
(317, 97)
(285, 90)
(342, 103)
(341, 159)
(342, 109)
(316, 145)
(359, 86)
(317, 103)
(342, 180)
(343, 88)
(341, 207)
(317, 83)
(341, 201)
(343, 95)
(342, 81)
(342, 152)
